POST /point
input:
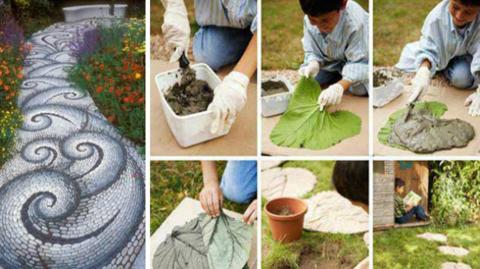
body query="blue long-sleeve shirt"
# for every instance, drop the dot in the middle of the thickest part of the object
(240, 14)
(345, 49)
(441, 41)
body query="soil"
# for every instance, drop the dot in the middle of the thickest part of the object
(421, 132)
(271, 87)
(190, 95)
(284, 211)
(382, 76)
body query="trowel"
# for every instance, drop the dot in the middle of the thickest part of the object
(184, 62)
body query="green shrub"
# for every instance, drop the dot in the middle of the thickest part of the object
(112, 69)
(456, 192)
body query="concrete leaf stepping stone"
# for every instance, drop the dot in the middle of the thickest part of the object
(433, 237)
(331, 213)
(265, 165)
(73, 193)
(289, 182)
(454, 251)
(452, 265)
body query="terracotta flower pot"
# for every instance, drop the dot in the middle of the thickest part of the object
(285, 216)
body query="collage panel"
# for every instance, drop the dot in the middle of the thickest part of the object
(315, 214)
(203, 214)
(315, 70)
(72, 134)
(426, 214)
(426, 78)
(203, 74)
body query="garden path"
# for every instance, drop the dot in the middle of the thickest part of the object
(447, 250)
(73, 194)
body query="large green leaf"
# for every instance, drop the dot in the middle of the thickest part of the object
(436, 108)
(304, 126)
(228, 241)
(206, 243)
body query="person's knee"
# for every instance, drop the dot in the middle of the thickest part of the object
(201, 54)
(235, 195)
(358, 89)
(460, 77)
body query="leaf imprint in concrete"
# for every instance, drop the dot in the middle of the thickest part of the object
(452, 265)
(433, 237)
(265, 165)
(330, 212)
(455, 251)
(289, 182)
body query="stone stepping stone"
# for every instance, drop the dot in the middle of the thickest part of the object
(433, 237)
(455, 251)
(265, 165)
(452, 265)
(332, 213)
(287, 182)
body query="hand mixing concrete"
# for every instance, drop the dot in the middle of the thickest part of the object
(190, 95)
(421, 132)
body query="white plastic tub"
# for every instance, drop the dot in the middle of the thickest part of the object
(78, 13)
(277, 104)
(194, 128)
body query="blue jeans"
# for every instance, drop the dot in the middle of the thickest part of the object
(417, 211)
(220, 46)
(239, 181)
(458, 72)
(326, 78)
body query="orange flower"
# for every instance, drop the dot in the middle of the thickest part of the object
(19, 75)
(138, 76)
(99, 89)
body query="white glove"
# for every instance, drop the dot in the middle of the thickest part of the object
(474, 102)
(310, 70)
(331, 96)
(176, 28)
(420, 83)
(230, 97)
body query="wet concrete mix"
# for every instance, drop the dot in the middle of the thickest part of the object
(271, 87)
(421, 132)
(190, 95)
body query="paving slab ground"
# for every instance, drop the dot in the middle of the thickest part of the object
(187, 210)
(453, 265)
(73, 194)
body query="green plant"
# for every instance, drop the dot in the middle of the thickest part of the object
(456, 192)
(112, 71)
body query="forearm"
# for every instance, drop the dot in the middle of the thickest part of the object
(209, 170)
(426, 63)
(247, 64)
(345, 84)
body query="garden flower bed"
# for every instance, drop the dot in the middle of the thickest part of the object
(111, 68)
(12, 53)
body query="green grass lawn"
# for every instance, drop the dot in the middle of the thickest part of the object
(314, 249)
(396, 23)
(170, 182)
(401, 249)
(282, 31)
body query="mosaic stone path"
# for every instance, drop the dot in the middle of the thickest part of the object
(447, 250)
(73, 194)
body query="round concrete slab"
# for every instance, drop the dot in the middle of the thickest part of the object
(452, 265)
(331, 213)
(454, 251)
(433, 237)
(287, 182)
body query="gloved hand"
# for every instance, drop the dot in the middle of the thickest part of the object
(176, 28)
(310, 70)
(331, 96)
(420, 83)
(474, 102)
(230, 97)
